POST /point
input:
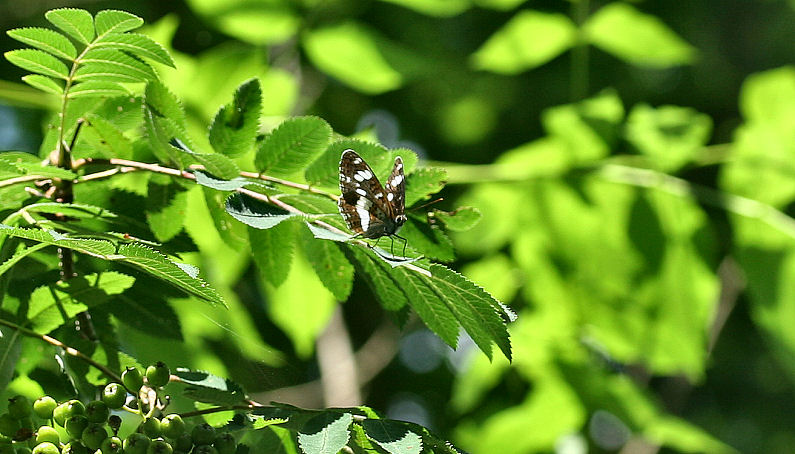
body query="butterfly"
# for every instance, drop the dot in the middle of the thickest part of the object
(371, 210)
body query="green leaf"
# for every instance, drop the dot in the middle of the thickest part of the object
(10, 349)
(460, 220)
(97, 248)
(208, 388)
(272, 250)
(430, 241)
(293, 145)
(255, 213)
(232, 232)
(105, 72)
(136, 44)
(44, 84)
(26, 163)
(19, 255)
(162, 268)
(39, 62)
(106, 138)
(93, 89)
(243, 20)
(97, 62)
(235, 126)
(392, 436)
(208, 180)
(114, 21)
(165, 209)
(46, 40)
(326, 433)
(350, 53)
(53, 305)
(330, 265)
(76, 23)
(529, 39)
(670, 135)
(146, 312)
(437, 8)
(636, 37)
(422, 183)
(165, 104)
(588, 128)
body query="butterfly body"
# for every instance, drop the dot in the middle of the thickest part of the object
(371, 210)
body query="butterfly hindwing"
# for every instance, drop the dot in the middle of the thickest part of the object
(369, 209)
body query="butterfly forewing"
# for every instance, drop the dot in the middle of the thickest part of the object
(369, 209)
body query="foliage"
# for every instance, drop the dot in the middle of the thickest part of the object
(641, 229)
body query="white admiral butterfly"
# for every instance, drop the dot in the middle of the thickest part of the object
(369, 209)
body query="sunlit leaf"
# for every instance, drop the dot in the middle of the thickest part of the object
(76, 23)
(39, 62)
(293, 145)
(46, 40)
(114, 21)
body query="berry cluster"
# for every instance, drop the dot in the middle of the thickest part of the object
(93, 428)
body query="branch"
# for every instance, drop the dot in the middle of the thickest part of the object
(71, 351)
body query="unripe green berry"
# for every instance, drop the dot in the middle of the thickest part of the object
(46, 448)
(136, 443)
(172, 426)
(132, 379)
(158, 374)
(97, 411)
(8, 425)
(93, 436)
(225, 443)
(114, 395)
(151, 427)
(111, 445)
(205, 449)
(75, 426)
(19, 407)
(68, 410)
(75, 447)
(43, 407)
(184, 442)
(159, 446)
(47, 433)
(203, 434)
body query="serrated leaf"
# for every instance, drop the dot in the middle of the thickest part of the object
(392, 436)
(529, 39)
(255, 213)
(326, 234)
(324, 171)
(94, 89)
(26, 163)
(215, 163)
(106, 138)
(74, 210)
(43, 83)
(136, 44)
(97, 248)
(209, 388)
(636, 37)
(232, 232)
(165, 209)
(112, 60)
(330, 265)
(46, 40)
(10, 349)
(459, 220)
(114, 21)
(107, 72)
(422, 183)
(76, 23)
(39, 62)
(430, 241)
(234, 128)
(208, 180)
(272, 250)
(53, 305)
(162, 268)
(326, 433)
(147, 313)
(19, 255)
(293, 145)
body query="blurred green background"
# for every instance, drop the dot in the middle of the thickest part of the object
(633, 163)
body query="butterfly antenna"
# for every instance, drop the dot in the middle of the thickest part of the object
(427, 204)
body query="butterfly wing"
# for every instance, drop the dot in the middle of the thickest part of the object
(363, 201)
(395, 189)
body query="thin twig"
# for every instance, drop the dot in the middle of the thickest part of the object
(71, 351)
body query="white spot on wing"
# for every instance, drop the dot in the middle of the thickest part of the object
(357, 161)
(364, 216)
(390, 196)
(396, 181)
(361, 192)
